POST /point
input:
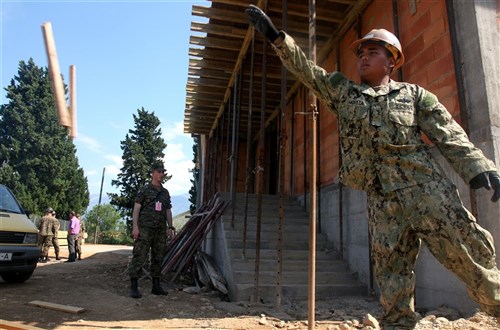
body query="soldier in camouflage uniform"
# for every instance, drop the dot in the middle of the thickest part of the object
(45, 234)
(79, 239)
(152, 222)
(55, 239)
(409, 198)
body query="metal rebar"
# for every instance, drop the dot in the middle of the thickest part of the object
(260, 173)
(248, 172)
(312, 212)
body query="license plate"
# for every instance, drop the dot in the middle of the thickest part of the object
(5, 256)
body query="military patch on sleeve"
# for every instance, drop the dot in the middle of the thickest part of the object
(428, 100)
(336, 79)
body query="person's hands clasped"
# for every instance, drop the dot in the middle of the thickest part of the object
(262, 22)
(487, 180)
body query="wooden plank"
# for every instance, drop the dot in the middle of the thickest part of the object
(57, 307)
(8, 325)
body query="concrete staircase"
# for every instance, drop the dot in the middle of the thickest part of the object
(333, 277)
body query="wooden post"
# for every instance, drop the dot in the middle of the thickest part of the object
(72, 100)
(55, 76)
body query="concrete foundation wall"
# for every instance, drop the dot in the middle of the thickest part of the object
(215, 245)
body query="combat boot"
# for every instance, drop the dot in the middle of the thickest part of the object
(79, 256)
(157, 289)
(57, 256)
(134, 288)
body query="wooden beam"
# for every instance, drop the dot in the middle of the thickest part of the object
(218, 30)
(57, 307)
(219, 14)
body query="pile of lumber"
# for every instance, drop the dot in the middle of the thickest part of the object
(186, 243)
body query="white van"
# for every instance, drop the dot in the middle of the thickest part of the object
(19, 251)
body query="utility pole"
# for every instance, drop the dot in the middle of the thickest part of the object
(98, 207)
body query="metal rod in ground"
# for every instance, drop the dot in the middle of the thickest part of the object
(312, 181)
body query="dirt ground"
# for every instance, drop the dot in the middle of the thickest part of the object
(99, 284)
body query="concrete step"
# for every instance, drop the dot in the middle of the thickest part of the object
(289, 265)
(267, 293)
(271, 254)
(268, 243)
(291, 235)
(295, 277)
(333, 277)
(251, 227)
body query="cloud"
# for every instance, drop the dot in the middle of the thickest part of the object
(178, 158)
(90, 172)
(89, 143)
(174, 131)
(180, 182)
(113, 169)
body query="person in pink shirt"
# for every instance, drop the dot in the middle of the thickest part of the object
(73, 230)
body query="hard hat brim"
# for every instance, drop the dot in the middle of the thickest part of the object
(355, 45)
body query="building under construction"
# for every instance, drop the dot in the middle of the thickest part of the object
(263, 150)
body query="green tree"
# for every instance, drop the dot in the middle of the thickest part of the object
(37, 157)
(107, 220)
(142, 145)
(193, 192)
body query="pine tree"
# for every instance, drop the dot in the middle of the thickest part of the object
(141, 147)
(193, 192)
(37, 158)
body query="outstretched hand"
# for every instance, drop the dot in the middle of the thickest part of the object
(487, 180)
(262, 22)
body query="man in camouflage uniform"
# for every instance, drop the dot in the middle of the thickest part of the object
(55, 239)
(409, 198)
(152, 222)
(45, 234)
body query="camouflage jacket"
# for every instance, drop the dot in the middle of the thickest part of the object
(148, 197)
(381, 130)
(46, 226)
(56, 226)
(81, 233)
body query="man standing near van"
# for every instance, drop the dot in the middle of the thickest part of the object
(45, 234)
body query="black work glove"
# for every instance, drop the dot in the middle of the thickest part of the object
(487, 180)
(262, 23)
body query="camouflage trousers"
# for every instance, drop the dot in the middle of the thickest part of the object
(154, 239)
(45, 242)
(55, 243)
(78, 245)
(433, 213)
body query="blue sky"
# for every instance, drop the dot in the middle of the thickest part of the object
(128, 55)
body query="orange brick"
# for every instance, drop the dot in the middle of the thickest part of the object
(442, 45)
(438, 10)
(439, 68)
(424, 6)
(434, 31)
(421, 23)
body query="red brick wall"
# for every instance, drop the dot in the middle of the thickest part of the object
(426, 43)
